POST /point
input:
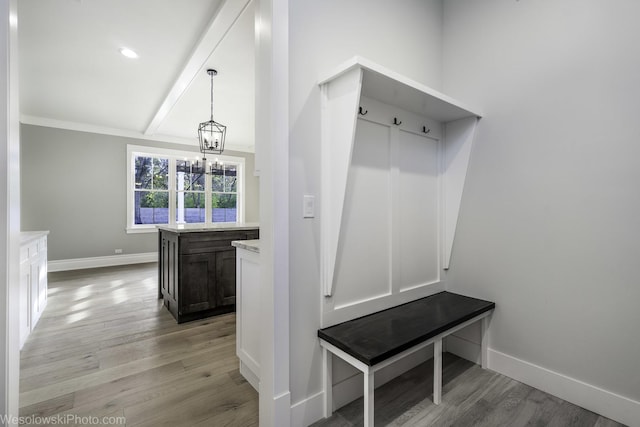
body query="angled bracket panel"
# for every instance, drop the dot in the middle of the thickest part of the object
(340, 98)
(457, 152)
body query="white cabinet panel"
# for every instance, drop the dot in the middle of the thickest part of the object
(418, 191)
(33, 280)
(36, 297)
(363, 263)
(25, 300)
(43, 284)
(248, 309)
(250, 294)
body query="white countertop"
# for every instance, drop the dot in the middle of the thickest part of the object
(194, 228)
(29, 236)
(250, 245)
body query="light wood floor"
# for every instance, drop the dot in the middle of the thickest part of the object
(471, 396)
(105, 347)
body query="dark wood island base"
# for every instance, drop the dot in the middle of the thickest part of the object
(197, 268)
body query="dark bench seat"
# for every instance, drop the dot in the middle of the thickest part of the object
(374, 341)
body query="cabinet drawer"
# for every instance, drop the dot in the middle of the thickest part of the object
(211, 242)
(252, 234)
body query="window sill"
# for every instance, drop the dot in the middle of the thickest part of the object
(141, 230)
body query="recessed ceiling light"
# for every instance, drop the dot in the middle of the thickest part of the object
(128, 52)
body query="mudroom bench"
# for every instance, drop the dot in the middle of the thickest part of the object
(379, 339)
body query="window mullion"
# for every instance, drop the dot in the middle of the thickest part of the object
(207, 199)
(172, 190)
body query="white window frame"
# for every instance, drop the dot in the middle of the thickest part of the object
(173, 155)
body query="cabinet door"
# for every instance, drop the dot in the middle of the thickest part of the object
(226, 277)
(168, 262)
(197, 283)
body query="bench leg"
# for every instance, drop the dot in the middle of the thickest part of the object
(437, 371)
(484, 343)
(368, 398)
(327, 379)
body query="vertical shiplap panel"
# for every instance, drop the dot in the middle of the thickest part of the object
(363, 263)
(417, 211)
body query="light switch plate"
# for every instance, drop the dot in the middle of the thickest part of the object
(308, 206)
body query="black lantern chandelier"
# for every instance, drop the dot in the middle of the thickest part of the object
(211, 134)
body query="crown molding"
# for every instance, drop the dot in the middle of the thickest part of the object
(103, 130)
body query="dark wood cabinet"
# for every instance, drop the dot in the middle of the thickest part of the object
(198, 283)
(197, 271)
(226, 277)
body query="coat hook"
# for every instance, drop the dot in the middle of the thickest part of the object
(362, 113)
(396, 122)
(425, 130)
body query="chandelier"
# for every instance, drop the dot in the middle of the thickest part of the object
(211, 134)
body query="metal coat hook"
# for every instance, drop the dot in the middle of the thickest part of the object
(361, 113)
(396, 122)
(425, 130)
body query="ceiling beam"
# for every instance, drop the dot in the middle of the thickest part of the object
(224, 19)
(126, 133)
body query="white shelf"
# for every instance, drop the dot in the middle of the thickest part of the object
(357, 82)
(393, 88)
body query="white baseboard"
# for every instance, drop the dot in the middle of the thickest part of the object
(101, 261)
(250, 376)
(307, 411)
(282, 409)
(603, 402)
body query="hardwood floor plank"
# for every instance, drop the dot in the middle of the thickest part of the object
(30, 360)
(49, 406)
(544, 408)
(104, 394)
(471, 397)
(110, 373)
(153, 391)
(105, 346)
(190, 404)
(462, 393)
(500, 410)
(606, 422)
(245, 415)
(570, 415)
(47, 373)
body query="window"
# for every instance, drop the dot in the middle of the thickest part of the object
(173, 187)
(224, 193)
(190, 192)
(151, 190)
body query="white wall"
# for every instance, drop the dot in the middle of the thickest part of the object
(405, 37)
(550, 216)
(55, 199)
(9, 210)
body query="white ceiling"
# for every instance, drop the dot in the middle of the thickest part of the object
(72, 74)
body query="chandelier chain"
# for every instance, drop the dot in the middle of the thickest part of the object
(211, 74)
